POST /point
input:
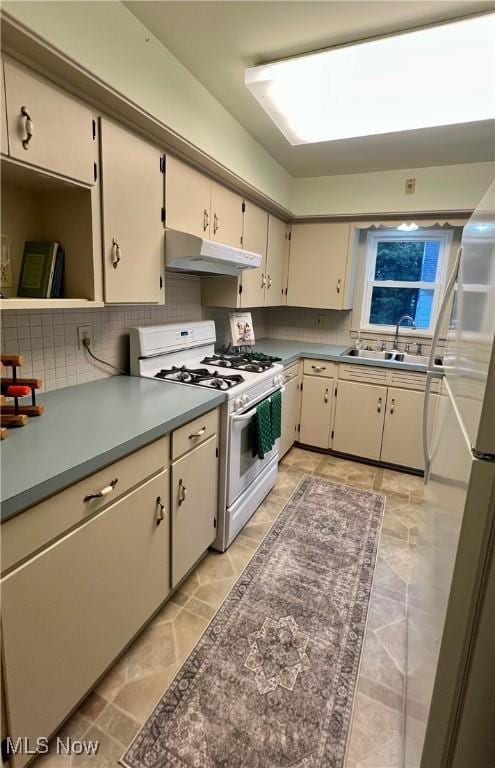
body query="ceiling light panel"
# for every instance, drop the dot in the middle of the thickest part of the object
(443, 75)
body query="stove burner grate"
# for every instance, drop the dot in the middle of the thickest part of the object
(200, 376)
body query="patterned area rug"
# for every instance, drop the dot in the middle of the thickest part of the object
(271, 682)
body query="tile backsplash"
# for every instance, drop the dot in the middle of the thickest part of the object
(322, 326)
(48, 340)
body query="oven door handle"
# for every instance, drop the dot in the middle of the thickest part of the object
(252, 411)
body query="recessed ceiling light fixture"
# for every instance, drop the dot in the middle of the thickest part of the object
(441, 75)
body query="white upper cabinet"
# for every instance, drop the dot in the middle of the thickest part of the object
(254, 239)
(275, 262)
(132, 201)
(187, 198)
(48, 127)
(226, 216)
(320, 266)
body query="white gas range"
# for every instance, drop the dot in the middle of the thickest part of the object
(185, 354)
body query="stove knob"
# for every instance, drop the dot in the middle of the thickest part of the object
(245, 399)
(238, 404)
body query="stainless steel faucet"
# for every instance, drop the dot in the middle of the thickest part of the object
(399, 321)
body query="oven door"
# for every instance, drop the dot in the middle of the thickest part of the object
(243, 466)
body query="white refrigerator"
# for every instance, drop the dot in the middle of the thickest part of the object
(450, 682)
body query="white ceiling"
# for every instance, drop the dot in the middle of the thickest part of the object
(216, 41)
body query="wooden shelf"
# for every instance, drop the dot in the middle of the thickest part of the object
(35, 304)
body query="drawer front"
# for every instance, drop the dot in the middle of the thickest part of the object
(69, 612)
(292, 372)
(364, 373)
(408, 379)
(196, 432)
(319, 368)
(38, 526)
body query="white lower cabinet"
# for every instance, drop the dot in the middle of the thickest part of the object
(316, 411)
(70, 610)
(194, 492)
(359, 417)
(402, 435)
(291, 409)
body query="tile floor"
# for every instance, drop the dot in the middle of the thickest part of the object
(122, 701)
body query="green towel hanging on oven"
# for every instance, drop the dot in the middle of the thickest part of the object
(276, 415)
(262, 429)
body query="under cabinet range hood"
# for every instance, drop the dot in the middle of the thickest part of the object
(189, 253)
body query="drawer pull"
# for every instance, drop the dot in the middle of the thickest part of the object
(160, 510)
(104, 491)
(182, 492)
(326, 395)
(263, 280)
(199, 433)
(319, 368)
(339, 283)
(269, 281)
(28, 127)
(216, 223)
(115, 253)
(206, 220)
(392, 405)
(379, 408)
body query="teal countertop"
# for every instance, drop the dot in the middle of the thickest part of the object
(292, 351)
(86, 427)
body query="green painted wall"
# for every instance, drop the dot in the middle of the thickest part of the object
(439, 188)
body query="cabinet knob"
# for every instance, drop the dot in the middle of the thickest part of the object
(379, 408)
(115, 253)
(326, 395)
(269, 281)
(206, 220)
(392, 405)
(318, 368)
(160, 510)
(28, 127)
(339, 283)
(263, 280)
(182, 492)
(104, 491)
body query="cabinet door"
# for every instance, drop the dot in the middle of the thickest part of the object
(187, 198)
(275, 262)
(62, 139)
(318, 265)
(68, 613)
(403, 431)
(291, 410)
(359, 416)
(194, 506)
(254, 239)
(132, 200)
(316, 410)
(226, 216)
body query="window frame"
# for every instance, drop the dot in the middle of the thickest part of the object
(438, 286)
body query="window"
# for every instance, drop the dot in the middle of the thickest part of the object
(405, 274)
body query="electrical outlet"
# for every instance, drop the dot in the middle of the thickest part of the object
(84, 332)
(410, 187)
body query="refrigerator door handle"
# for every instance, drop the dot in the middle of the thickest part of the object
(426, 448)
(432, 367)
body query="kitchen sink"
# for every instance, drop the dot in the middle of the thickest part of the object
(388, 354)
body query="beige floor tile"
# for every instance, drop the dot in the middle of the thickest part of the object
(107, 756)
(188, 629)
(373, 725)
(380, 693)
(390, 755)
(378, 665)
(256, 531)
(301, 459)
(394, 638)
(92, 706)
(239, 557)
(246, 543)
(138, 697)
(288, 479)
(393, 526)
(167, 613)
(387, 582)
(117, 724)
(152, 651)
(215, 592)
(384, 611)
(214, 567)
(201, 608)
